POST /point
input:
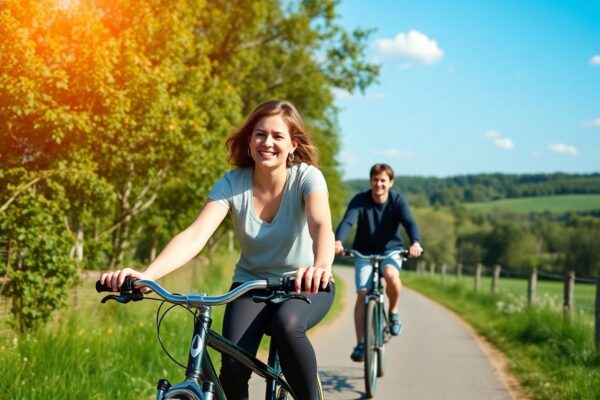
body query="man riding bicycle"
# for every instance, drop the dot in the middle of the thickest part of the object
(379, 212)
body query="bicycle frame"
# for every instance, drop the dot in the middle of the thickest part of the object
(201, 380)
(375, 292)
(376, 324)
(201, 369)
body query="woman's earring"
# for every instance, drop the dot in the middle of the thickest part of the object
(249, 154)
(291, 157)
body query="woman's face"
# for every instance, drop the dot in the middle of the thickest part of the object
(271, 143)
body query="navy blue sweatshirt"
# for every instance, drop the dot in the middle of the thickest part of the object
(377, 230)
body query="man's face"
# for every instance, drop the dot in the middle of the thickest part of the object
(381, 184)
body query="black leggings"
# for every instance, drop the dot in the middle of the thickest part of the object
(244, 324)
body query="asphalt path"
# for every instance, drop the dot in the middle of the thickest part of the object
(435, 357)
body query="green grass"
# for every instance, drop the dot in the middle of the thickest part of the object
(553, 357)
(553, 204)
(104, 351)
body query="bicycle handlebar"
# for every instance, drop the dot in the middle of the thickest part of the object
(130, 291)
(354, 253)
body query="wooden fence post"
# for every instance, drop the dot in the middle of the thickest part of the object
(598, 315)
(568, 298)
(478, 277)
(458, 272)
(495, 278)
(432, 269)
(443, 274)
(532, 287)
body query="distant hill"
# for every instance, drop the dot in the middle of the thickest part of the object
(488, 187)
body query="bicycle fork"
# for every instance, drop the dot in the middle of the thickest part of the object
(194, 370)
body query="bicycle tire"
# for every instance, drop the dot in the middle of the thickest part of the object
(282, 394)
(371, 353)
(181, 396)
(381, 348)
(320, 394)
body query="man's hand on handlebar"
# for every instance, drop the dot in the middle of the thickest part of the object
(415, 250)
(339, 248)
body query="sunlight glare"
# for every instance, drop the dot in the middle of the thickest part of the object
(66, 4)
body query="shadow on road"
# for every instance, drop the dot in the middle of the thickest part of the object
(342, 383)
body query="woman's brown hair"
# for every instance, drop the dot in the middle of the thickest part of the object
(237, 143)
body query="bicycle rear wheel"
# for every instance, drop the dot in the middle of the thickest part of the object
(371, 351)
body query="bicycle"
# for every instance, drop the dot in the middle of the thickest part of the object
(376, 328)
(201, 380)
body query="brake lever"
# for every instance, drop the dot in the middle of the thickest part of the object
(124, 298)
(279, 297)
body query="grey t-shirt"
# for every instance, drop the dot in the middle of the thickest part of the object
(270, 248)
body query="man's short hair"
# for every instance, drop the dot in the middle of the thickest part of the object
(379, 168)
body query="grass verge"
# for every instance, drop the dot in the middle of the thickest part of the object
(103, 351)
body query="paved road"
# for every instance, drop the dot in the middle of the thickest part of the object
(434, 358)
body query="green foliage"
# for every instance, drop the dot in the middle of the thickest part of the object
(40, 268)
(438, 234)
(511, 245)
(114, 115)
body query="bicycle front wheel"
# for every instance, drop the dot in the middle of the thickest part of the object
(371, 350)
(381, 331)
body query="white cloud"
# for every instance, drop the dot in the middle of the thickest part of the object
(563, 149)
(413, 45)
(595, 60)
(504, 143)
(492, 134)
(499, 140)
(594, 123)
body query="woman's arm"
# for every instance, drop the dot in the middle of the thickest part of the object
(321, 232)
(181, 249)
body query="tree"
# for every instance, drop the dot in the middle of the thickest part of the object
(511, 246)
(138, 96)
(438, 234)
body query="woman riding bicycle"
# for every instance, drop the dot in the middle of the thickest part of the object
(278, 200)
(379, 213)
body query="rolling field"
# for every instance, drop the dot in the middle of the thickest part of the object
(553, 204)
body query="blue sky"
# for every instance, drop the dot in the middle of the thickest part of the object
(475, 87)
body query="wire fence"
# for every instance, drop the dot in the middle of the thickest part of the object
(578, 294)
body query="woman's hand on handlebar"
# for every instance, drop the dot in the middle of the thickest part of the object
(114, 279)
(313, 278)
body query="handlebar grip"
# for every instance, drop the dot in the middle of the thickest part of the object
(126, 287)
(102, 287)
(289, 285)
